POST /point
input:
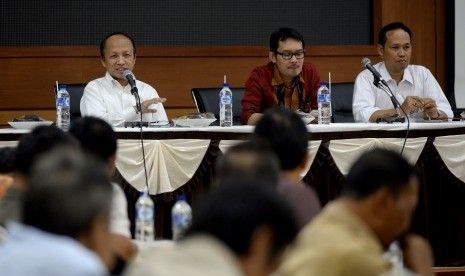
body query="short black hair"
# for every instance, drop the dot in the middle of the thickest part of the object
(234, 211)
(67, 191)
(283, 34)
(287, 134)
(249, 159)
(7, 159)
(95, 136)
(40, 140)
(390, 27)
(375, 169)
(104, 41)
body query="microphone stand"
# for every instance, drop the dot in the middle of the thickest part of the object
(135, 93)
(397, 106)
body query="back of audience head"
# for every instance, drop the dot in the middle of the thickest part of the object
(7, 160)
(376, 169)
(68, 195)
(252, 160)
(389, 184)
(241, 214)
(286, 133)
(40, 140)
(95, 136)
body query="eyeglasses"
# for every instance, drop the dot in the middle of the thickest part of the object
(289, 55)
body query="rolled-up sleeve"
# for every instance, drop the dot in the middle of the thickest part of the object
(363, 102)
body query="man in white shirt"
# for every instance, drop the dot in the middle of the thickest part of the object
(414, 87)
(110, 97)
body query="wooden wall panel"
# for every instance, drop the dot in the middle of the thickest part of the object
(28, 74)
(420, 16)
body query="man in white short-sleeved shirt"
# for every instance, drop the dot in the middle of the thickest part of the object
(414, 87)
(110, 97)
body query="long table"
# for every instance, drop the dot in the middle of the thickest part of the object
(181, 160)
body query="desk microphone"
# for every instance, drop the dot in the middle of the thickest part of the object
(132, 82)
(366, 62)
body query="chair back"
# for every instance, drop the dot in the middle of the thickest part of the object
(75, 91)
(341, 102)
(208, 100)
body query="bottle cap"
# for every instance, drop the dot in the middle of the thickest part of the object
(323, 83)
(181, 198)
(61, 86)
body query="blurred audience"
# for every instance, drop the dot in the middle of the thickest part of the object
(287, 135)
(97, 137)
(7, 168)
(31, 145)
(349, 236)
(250, 159)
(239, 228)
(65, 219)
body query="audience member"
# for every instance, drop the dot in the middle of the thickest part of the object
(288, 137)
(239, 228)
(414, 86)
(110, 97)
(251, 160)
(7, 168)
(65, 219)
(97, 137)
(286, 81)
(31, 145)
(349, 236)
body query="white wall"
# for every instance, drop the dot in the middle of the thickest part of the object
(459, 87)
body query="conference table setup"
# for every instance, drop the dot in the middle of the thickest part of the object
(180, 160)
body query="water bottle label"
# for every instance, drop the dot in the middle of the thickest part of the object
(324, 98)
(226, 99)
(62, 101)
(144, 214)
(181, 221)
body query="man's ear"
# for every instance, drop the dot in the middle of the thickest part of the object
(272, 57)
(380, 49)
(102, 60)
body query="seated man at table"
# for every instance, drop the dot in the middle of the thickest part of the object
(238, 229)
(349, 236)
(65, 219)
(287, 135)
(110, 97)
(286, 81)
(414, 87)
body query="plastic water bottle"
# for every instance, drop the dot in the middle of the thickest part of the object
(324, 104)
(62, 104)
(181, 217)
(145, 211)
(394, 255)
(226, 113)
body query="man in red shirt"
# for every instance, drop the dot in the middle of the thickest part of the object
(286, 81)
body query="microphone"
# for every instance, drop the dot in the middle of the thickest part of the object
(367, 64)
(132, 82)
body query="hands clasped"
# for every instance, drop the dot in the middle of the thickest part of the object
(415, 104)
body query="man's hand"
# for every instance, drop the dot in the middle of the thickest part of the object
(430, 108)
(413, 104)
(145, 105)
(418, 255)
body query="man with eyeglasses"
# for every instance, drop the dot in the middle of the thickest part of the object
(285, 82)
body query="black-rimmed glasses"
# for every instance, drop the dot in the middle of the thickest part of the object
(289, 55)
